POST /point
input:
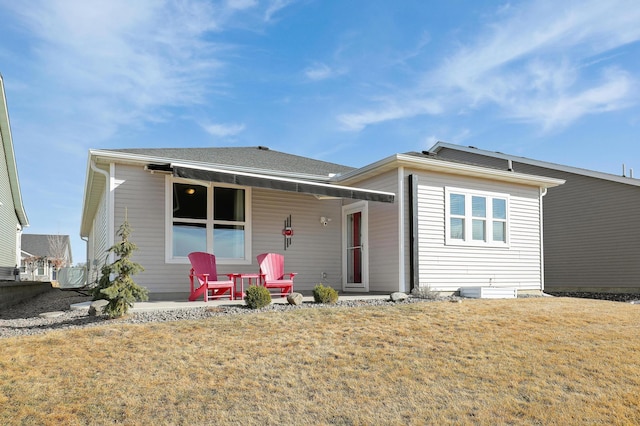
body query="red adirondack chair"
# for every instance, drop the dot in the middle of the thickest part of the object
(273, 275)
(204, 278)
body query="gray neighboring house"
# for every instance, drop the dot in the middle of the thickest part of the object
(43, 255)
(406, 221)
(591, 223)
(13, 218)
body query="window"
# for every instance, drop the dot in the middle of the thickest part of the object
(476, 218)
(209, 218)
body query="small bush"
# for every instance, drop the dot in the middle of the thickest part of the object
(324, 294)
(257, 297)
(426, 293)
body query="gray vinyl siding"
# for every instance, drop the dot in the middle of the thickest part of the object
(449, 267)
(384, 242)
(314, 249)
(8, 219)
(592, 233)
(591, 229)
(100, 240)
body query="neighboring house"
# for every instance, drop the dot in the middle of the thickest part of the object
(591, 223)
(409, 220)
(13, 218)
(43, 256)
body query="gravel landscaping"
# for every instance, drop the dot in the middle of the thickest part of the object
(25, 318)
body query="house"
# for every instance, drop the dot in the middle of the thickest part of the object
(44, 255)
(13, 218)
(409, 220)
(591, 223)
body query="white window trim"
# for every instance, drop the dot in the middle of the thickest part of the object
(168, 232)
(469, 241)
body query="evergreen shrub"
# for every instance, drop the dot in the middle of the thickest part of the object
(115, 284)
(324, 294)
(257, 296)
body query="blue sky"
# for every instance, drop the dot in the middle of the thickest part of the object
(350, 82)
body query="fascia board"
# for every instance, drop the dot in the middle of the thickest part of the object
(443, 166)
(88, 181)
(7, 142)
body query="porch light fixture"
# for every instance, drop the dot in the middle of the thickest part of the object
(324, 221)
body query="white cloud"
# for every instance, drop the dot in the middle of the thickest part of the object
(241, 4)
(611, 94)
(391, 111)
(121, 63)
(223, 130)
(446, 135)
(319, 71)
(274, 7)
(535, 62)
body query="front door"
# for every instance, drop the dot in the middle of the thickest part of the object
(355, 261)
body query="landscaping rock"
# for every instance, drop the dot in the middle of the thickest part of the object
(97, 307)
(294, 299)
(53, 314)
(399, 296)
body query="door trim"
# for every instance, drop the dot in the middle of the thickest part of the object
(363, 208)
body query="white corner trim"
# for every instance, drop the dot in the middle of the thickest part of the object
(401, 231)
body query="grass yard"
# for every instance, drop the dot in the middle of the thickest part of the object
(526, 361)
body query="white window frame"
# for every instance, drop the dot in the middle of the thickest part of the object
(468, 218)
(170, 258)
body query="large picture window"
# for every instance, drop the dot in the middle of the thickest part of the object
(476, 218)
(209, 218)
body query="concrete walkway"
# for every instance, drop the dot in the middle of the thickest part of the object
(168, 305)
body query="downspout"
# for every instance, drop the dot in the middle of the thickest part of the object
(19, 230)
(543, 192)
(413, 232)
(87, 264)
(107, 194)
(401, 232)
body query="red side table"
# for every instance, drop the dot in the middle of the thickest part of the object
(241, 278)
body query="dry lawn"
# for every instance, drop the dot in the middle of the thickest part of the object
(527, 361)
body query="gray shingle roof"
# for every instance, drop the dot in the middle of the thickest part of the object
(435, 156)
(247, 157)
(39, 244)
